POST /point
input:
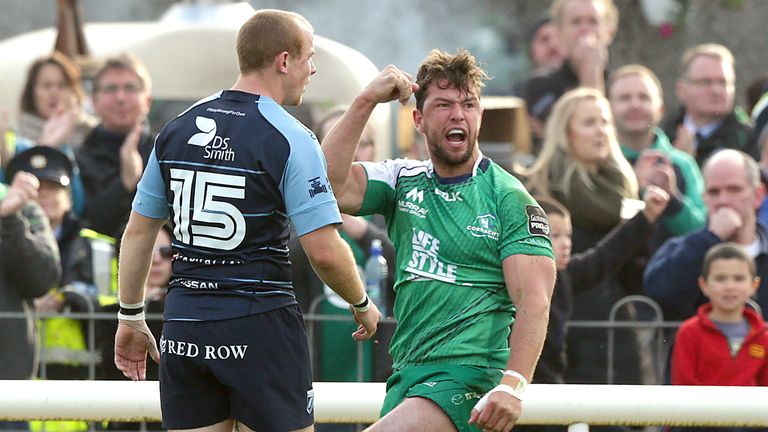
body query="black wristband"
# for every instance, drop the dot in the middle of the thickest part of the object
(363, 304)
(131, 311)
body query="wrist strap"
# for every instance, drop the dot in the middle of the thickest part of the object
(522, 383)
(136, 317)
(131, 311)
(363, 306)
(506, 388)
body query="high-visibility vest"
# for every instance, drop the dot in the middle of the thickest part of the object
(62, 339)
(58, 426)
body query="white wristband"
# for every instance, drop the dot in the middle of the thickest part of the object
(363, 306)
(131, 305)
(522, 383)
(480, 405)
(138, 317)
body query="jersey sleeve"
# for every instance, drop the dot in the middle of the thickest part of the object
(525, 229)
(307, 193)
(381, 190)
(150, 200)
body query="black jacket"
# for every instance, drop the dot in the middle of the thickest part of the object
(586, 270)
(107, 202)
(29, 267)
(733, 133)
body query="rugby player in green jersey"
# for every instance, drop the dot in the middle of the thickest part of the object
(474, 256)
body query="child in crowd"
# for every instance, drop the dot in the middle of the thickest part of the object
(726, 343)
(582, 271)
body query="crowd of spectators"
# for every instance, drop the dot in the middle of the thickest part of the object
(603, 153)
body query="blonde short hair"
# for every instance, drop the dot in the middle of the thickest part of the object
(635, 69)
(611, 16)
(709, 50)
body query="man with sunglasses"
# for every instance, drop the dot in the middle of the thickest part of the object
(114, 154)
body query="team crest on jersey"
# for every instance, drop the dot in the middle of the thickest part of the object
(316, 186)
(484, 226)
(538, 224)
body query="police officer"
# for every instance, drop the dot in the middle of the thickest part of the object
(88, 269)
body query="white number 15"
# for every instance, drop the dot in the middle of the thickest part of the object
(214, 224)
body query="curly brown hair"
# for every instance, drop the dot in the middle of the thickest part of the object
(445, 70)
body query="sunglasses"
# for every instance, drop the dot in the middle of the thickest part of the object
(165, 251)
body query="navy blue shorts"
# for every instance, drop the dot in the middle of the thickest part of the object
(254, 369)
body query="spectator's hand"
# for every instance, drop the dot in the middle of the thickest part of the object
(685, 141)
(61, 123)
(24, 189)
(354, 226)
(391, 84)
(664, 176)
(644, 167)
(131, 164)
(498, 413)
(133, 341)
(656, 200)
(49, 303)
(589, 60)
(368, 320)
(725, 223)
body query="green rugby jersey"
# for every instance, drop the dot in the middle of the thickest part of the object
(450, 236)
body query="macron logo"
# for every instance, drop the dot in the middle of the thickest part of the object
(207, 127)
(415, 195)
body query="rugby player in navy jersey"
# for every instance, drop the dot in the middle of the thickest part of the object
(231, 173)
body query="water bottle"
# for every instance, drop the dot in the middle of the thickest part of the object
(376, 276)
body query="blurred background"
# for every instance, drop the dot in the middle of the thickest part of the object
(402, 32)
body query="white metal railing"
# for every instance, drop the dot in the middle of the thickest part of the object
(566, 404)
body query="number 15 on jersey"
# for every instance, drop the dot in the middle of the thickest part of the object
(199, 218)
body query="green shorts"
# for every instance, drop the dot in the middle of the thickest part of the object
(455, 389)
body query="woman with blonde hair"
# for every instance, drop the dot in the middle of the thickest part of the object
(581, 165)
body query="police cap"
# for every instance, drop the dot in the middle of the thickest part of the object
(45, 163)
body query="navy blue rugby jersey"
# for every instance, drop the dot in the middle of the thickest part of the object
(230, 172)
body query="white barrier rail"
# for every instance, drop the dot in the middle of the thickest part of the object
(360, 403)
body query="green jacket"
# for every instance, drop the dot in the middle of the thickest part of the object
(686, 212)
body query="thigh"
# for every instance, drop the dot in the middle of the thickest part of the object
(191, 397)
(264, 362)
(223, 426)
(243, 428)
(452, 390)
(415, 414)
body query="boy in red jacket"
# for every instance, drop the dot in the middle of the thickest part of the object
(726, 343)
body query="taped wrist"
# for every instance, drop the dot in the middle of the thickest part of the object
(363, 306)
(131, 312)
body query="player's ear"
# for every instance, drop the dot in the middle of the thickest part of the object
(418, 117)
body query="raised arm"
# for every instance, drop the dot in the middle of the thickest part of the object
(348, 180)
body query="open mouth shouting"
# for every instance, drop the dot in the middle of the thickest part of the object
(456, 137)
